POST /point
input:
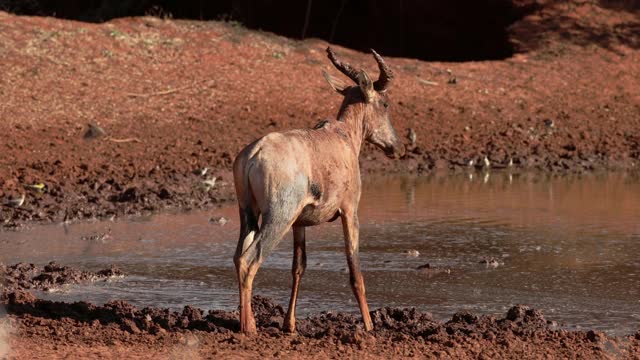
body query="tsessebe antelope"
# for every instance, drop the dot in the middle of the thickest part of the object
(299, 178)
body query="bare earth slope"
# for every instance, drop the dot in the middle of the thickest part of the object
(176, 96)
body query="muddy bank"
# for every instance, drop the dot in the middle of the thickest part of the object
(522, 331)
(175, 97)
(82, 328)
(49, 277)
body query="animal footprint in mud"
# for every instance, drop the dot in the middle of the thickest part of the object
(491, 262)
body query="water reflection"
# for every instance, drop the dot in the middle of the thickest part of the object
(569, 246)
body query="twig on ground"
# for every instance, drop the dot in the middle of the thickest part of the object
(123, 140)
(164, 92)
(427, 82)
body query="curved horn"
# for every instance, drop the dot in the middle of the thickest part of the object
(343, 67)
(386, 75)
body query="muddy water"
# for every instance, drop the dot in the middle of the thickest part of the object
(569, 246)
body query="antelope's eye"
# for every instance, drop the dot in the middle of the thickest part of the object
(385, 104)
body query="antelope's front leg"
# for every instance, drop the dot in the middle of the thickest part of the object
(299, 265)
(350, 226)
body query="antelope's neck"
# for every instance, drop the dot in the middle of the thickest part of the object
(353, 117)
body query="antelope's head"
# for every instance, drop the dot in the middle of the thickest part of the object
(370, 98)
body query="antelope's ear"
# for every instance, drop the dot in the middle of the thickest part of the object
(336, 84)
(366, 85)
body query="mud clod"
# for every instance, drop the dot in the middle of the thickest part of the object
(48, 277)
(267, 313)
(520, 313)
(391, 325)
(464, 317)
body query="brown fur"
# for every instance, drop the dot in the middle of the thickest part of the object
(300, 178)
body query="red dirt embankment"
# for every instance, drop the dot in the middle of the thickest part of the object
(189, 95)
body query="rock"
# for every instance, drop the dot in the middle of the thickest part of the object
(411, 136)
(491, 262)
(94, 131)
(219, 220)
(412, 253)
(549, 123)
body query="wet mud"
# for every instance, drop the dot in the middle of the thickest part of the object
(49, 277)
(467, 335)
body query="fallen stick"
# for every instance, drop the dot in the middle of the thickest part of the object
(122, 140)
(427, 82)
(164, 92)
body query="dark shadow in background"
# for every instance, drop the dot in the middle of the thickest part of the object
(452, 30)
(532, 32)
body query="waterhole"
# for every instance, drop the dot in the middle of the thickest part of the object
(568, 246)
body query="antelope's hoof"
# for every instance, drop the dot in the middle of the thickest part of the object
(249, 331)
(289, 328)
(249, 328)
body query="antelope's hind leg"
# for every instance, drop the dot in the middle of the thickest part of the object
(248, 230)
(251, 252)
(297, 270)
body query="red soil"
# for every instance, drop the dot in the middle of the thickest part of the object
(194, 93)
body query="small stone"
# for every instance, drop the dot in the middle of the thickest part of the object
(94, 131)
(201, 172)
(411, 136)
(492, 262)
(412, 253)
(219, 220)
(209, 183)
